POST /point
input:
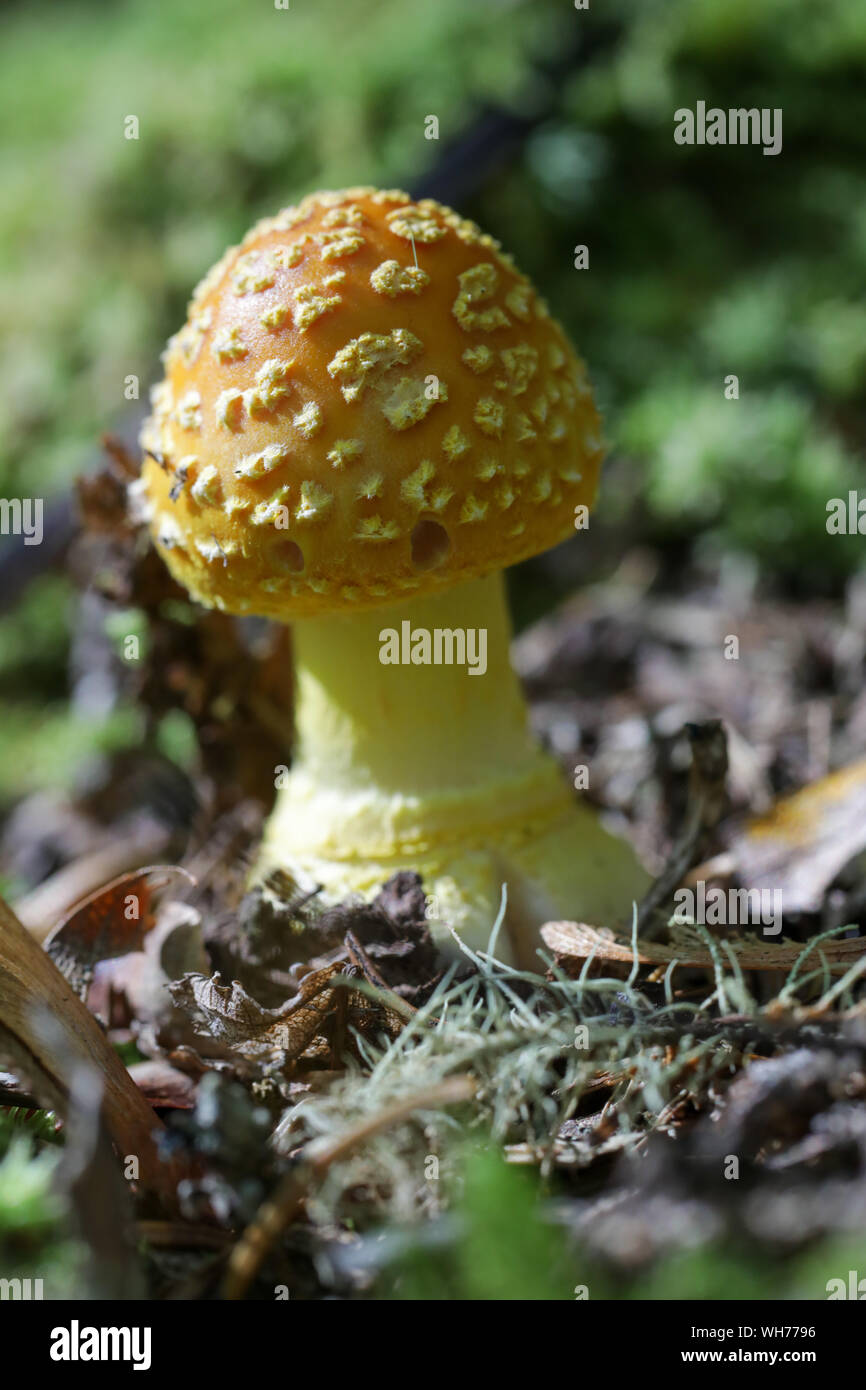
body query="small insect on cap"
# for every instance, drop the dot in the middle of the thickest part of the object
(367, 402)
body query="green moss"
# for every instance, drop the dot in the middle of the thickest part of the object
(45, 747)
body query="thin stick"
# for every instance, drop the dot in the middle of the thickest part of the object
(705, 805)
(282, 1207)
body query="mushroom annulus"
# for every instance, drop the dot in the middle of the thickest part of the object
(368, 415)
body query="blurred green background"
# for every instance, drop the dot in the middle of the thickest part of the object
(556, 128)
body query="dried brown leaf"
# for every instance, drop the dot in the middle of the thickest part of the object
(163, 1086)
(803, 842)
(276, 1036)
(31, 986)
(113, 921)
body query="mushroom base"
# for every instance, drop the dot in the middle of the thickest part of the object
(406, 762)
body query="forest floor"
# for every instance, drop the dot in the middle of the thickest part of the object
(663, 1110)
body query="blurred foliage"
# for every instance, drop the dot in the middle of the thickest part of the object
(507, 1245)
(26, 1129)
(503, 1250)
(703, 261)
(707, 261)
(34, 636)
(35, 1240)
(27, 1202)
(241, 108)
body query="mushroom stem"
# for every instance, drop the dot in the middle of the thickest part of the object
(432, 766)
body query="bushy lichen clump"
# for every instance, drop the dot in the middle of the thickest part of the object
(537, 1047)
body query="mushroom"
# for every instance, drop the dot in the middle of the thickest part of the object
(368, 415)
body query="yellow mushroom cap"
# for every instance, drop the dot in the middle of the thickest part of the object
(340, 426)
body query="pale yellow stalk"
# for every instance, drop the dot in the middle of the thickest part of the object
(432, 768)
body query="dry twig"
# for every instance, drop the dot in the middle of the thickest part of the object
(283, 1206)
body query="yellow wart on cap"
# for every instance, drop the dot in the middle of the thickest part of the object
(369, 356)
(343, 451)
(390, 278)
(410, 400)
(310, 304)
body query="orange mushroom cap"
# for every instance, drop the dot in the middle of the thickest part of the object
(340, 426)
